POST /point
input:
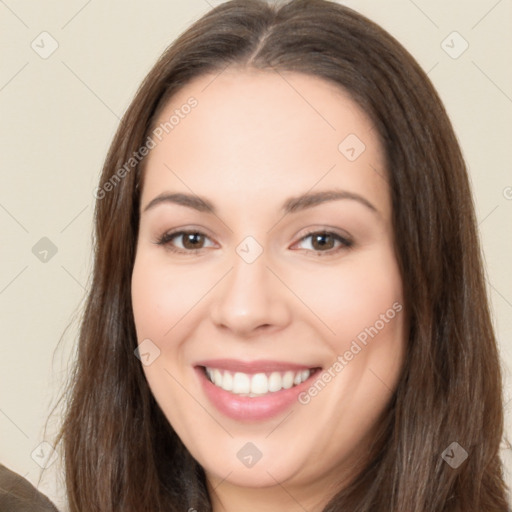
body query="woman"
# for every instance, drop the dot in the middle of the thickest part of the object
(288, 308)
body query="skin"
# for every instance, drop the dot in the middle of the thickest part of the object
(254, 140)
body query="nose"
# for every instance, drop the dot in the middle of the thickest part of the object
(251, 299)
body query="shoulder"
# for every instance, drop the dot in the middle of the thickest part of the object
(18, 495)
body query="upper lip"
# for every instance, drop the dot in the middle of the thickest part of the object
(259, 366)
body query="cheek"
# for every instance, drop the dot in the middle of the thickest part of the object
(362, 305)
(162, 297)
(354, 296)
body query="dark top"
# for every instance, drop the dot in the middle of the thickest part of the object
(18, 495)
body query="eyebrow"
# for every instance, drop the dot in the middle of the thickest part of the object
(291, 205)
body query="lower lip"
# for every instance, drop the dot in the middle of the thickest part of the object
(245, 408)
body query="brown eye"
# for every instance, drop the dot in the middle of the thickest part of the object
(325, 242)
(184, 241)
(192, 240)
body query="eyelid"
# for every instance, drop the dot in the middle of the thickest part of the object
(344, 239)
(165, 239)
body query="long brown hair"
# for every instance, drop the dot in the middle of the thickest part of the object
(121, 453)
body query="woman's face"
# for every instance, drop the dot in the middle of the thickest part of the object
(284, 290)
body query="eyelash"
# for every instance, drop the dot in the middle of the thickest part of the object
(166, 239)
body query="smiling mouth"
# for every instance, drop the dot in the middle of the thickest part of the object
(256, 384)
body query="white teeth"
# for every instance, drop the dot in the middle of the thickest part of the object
(256, 384)
(259, 384)
(275, 382)
(227, 381)
(217, 377)
(288, 380)
(241, 383)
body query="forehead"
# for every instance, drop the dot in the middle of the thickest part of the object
(264, 134)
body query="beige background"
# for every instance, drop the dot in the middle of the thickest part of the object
(58, 116)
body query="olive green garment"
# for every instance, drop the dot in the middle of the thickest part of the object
(18, 495)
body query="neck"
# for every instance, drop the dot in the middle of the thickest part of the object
(226, 497)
